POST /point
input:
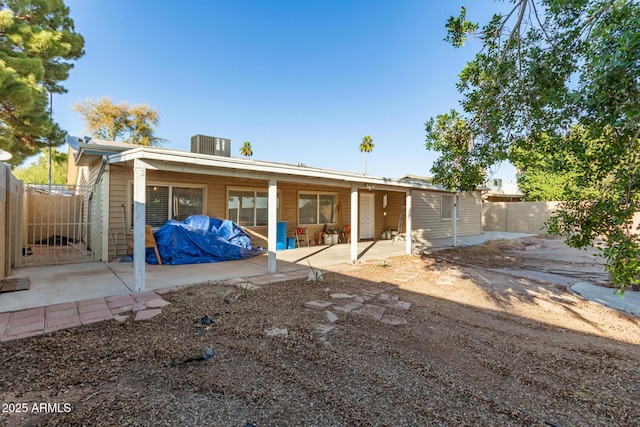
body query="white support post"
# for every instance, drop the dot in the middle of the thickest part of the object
(272, 224)
(455, 220)
(139, 215)
(408, 227)
(354, 224)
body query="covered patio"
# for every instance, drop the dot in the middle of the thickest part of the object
(73, 282)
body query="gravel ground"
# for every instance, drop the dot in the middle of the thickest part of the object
(477, 348)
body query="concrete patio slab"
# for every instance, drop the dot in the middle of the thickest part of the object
(71, 282)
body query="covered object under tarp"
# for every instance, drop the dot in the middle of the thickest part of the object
(201, 239)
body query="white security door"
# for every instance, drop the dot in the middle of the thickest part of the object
(366, 215)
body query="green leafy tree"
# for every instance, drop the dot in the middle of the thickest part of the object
(135, 124)
(37, 44)
(551, 171)
(246, 150)
(366, 146)
(544, 67)
(38, 172)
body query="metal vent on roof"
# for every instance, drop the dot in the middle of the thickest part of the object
(212, 145)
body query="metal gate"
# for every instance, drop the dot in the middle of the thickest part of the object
(56, 224)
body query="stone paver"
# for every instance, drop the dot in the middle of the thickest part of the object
(4, 321)
(372, 311)
(341, 296)
(120, 301)
(331, 317)
(121, 310)
(317, 305)
(157, 303)
(147, 304)
(145, 296)
(258, 280)
(248, 286)
(141, 305)
(146, 315)
(349, 307)
(324, 329)
(276, 332)
(85, 309)
(27, 313)
(61, 307)
(400, 305)
(390, 319)
(54, 322)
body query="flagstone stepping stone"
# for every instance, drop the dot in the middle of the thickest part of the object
(276, 332)
(349, 307)
(341, 296)
(157, 303)
(372, 311)
(400, 305)
(392, 320)
(317, 305)
(331, 317)
(324, 329)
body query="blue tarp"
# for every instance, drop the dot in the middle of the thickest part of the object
(201, 239)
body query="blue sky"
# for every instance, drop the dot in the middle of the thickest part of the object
(304, 81)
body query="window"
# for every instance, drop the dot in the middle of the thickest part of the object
(250, 207)
(185, 201)
(316, 208)
(446, 207)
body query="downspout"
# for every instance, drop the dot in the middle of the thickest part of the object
(103, 165)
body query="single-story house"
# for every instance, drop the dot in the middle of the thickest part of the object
(132, 186)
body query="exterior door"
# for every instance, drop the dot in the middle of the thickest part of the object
(366, 215)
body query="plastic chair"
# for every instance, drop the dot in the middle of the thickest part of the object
(302, 231)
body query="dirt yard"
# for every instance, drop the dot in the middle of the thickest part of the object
(431, 341)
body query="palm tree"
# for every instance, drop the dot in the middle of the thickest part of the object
(366, 147)
(246, 150)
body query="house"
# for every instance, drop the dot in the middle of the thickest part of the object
(133, 186)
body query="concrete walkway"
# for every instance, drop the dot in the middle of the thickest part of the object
(605, 296)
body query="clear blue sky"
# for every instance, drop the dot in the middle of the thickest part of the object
(304, 81)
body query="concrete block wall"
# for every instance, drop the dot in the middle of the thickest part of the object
(517, 217)
(524, 217)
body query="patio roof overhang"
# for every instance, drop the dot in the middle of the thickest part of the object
(196, 163)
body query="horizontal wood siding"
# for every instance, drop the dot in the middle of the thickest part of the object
(216, 201)
(470, 221)
(119, 177)
(428, 224)
(88, 177)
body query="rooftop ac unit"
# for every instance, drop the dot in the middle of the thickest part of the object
(211, 145)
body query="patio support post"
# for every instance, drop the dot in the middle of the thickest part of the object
(139, 215)
(454, 243)
(354, 224)
(272, 224)
(408, 228)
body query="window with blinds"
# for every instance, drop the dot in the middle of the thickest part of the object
(250, 208)
(165, 202)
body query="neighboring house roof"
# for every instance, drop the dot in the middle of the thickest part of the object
(499, 196)
(188, 162)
